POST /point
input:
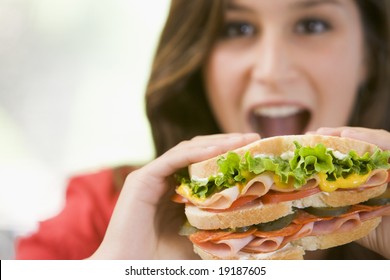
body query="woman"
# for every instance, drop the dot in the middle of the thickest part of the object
(243, 68)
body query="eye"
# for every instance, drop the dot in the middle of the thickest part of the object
(238, 29)
(312, 26)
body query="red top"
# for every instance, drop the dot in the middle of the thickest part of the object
(77, 231)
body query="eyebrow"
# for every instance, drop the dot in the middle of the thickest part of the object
(232, 5)
(313, 3)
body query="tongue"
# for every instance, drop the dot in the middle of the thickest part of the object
(273, 126)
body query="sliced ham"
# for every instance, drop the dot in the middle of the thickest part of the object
(262, 184)
(225, 248)
(255, 188)
(381, 211)
(264, 244)
(239, 202)
(310, 184)
(377, 177)
(259, 185)
(220, 200)
(226, 244)
(340, 224)
(305, 230)
(224, 199)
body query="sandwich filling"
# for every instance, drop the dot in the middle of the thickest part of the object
(304, 171)
(272, 236)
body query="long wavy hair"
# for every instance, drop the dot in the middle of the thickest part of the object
(176, 102)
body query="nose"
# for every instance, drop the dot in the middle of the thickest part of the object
(273, 62)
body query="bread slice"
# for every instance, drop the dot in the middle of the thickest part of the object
(286, 253)
(340, 198)
(256, 213)
(296, 249)
(243, 216)
(312, 243)
(280, 144)
(252, 214)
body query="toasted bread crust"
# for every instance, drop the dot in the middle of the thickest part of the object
(286, 253)
(351, 197)
(340, 198)
(244, 216)
(311, 243)
(280, 144)
(261, 213)
(296, 249)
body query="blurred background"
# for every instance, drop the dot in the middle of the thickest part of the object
(72, 80)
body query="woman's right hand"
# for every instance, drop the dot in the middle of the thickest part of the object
(145, 223)
(377, 240)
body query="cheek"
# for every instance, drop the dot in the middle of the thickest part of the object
(224, 82)
(337, 102)
(337, 83)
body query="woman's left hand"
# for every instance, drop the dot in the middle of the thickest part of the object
(379, 239)
(145, 222)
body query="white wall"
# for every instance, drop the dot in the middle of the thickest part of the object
(72, 79)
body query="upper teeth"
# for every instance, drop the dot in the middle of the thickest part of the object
(277, 111)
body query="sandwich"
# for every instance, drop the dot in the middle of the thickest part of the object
(281, 196)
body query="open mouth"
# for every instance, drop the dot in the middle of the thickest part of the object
(279, 120)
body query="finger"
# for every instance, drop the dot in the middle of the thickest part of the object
(150, 182)
(378, 240)
(378, 137)
(217, 139)
(145, 187)
(331, 131)
(198, 149)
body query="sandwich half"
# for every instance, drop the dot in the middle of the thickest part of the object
(279, 196)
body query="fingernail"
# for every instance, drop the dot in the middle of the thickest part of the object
(326, 130)
(252, 135)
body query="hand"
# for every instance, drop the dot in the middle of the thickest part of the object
(379, 239)
(145, 223)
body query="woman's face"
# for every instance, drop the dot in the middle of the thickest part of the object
(286, 66)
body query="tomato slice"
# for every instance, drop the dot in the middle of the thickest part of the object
(208, 235)
(241, 201)
(179, 199)
(276, 197)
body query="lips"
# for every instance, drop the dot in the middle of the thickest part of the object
(279, 120)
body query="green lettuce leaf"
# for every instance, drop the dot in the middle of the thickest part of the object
(306, 161)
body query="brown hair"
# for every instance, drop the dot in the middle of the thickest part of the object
(373, 101)
(176, 101)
